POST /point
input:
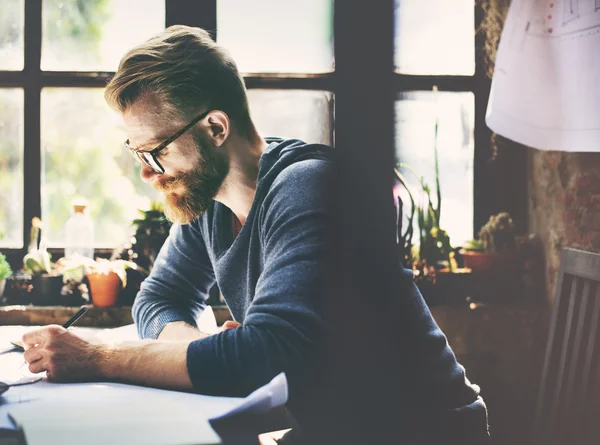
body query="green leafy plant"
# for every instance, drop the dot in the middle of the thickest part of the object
(5, 270)
(104, 267)
(38, 260)
(151, 232)
(474, 245)
(405, 236)
(499, 234)
(434, 242)
(74, 270)
(496, 236)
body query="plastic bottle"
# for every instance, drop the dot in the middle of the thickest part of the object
(79, 233)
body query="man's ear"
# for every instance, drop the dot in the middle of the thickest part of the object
(219, 126)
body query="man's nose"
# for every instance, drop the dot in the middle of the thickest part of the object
(147, 174)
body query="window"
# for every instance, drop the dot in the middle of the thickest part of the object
(435, 46)
(93, 35)
(274, 36)
(11, 167)
(83, 156)
(58, 139)
(11, 36)
(308, 119)
(417, 114)
(286, 51)
(54, 124)
(436, 37)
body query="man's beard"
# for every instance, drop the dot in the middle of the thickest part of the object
(195, 190)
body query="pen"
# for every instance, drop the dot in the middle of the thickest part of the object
(69, 322)
(75, 317)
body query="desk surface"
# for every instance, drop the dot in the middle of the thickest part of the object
(44, 393)
(57, 394)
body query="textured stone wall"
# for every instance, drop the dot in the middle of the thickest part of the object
(564, 204)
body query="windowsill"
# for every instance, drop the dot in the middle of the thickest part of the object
(121, 315)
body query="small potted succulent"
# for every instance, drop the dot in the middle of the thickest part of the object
(5, 272)
(106, 278)
(495, 248)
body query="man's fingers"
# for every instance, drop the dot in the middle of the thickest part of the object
(32, 338)
(32, 355)
(41, 336)
(37, 366)
(230, 324)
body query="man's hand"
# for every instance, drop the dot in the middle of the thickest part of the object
(63, 355)
(67, 357)
(229, 324)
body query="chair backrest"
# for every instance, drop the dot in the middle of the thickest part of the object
(568, 408)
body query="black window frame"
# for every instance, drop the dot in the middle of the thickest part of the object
(493, 190)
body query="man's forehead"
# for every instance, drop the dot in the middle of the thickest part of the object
(145, 123)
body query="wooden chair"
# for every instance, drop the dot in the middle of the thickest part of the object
(568, 408)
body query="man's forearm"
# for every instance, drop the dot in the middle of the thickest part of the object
(161, 364)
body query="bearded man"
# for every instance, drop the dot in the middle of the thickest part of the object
(250, 214)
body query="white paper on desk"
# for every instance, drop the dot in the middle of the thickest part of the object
(207, 322)
(117, 335)
(265, 398)
(14, 371)
(135, 422)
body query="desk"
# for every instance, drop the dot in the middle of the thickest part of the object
(58, 395)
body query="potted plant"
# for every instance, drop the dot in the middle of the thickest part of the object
(5, 272)
(434, 249)
(45, 279)
(496, 248)
(151, 231)
(106, 279)
(432, 259)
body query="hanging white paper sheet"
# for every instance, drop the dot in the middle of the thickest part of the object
(546, 85)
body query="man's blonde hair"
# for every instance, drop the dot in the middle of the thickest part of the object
(187, 72)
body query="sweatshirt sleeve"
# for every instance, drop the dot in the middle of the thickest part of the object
(283, 326)
(178, 284)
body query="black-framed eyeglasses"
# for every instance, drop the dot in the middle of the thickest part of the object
(149, 157)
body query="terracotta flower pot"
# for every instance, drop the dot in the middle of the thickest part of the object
(104, 288)
(485, 262)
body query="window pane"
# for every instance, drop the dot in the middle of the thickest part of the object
(298, 114)
(11, 168)
(83, 156)
(275, 36)
(93, 35)
(11, 35)
(435, 37)
(416, 114)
